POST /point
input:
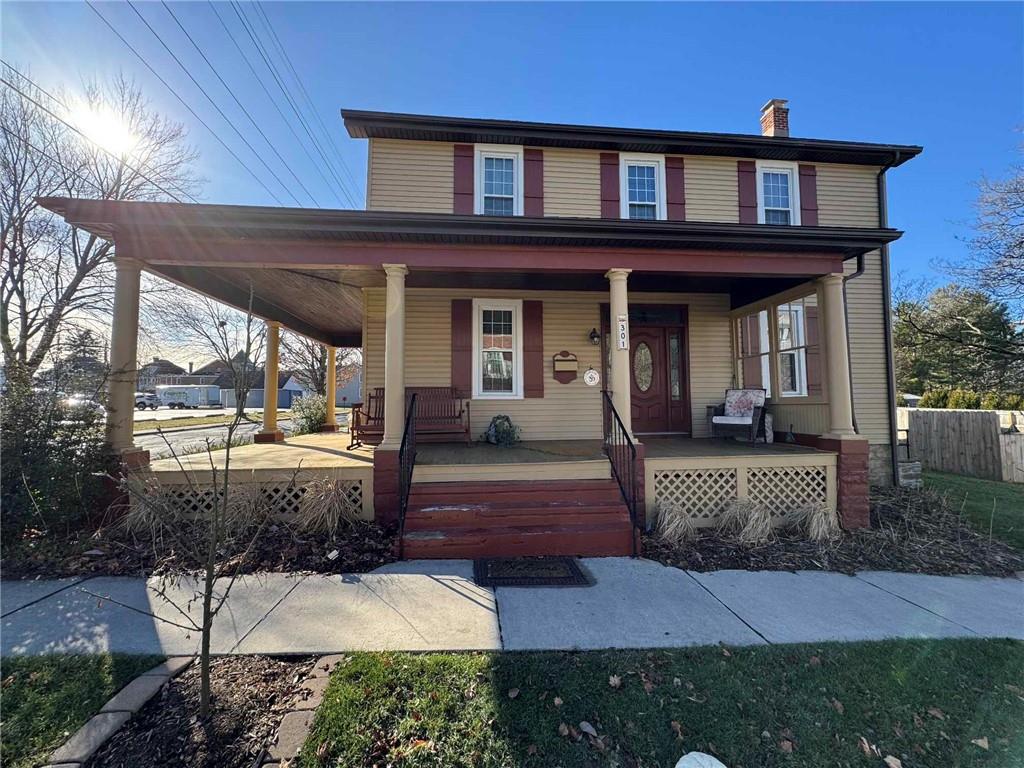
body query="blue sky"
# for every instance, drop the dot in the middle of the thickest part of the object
(947, 76)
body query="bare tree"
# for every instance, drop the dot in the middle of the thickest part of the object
(308, 360)
(208, 549)
(122, 150)
(996, 258)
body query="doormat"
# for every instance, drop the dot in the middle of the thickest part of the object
(529, 572)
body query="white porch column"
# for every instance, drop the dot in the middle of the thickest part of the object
(394, 357)
(270, 433)
(124, 335)
(619, 309)
(331, 422)
(840, 396)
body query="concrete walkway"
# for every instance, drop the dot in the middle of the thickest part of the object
(434, 605)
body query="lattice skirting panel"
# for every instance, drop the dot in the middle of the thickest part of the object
(703, 493)
(283, 499)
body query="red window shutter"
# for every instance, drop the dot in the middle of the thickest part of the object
(462, 346)
(813, 352)
(808, 196)
(533, 349)
(675, 190)
(533, 182)
(610, 186)
(746, 177)
(463, 202)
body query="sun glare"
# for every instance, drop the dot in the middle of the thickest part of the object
(106, 128)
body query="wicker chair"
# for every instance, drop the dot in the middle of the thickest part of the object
(741, 415)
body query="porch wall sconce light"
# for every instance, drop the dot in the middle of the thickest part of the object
(595, 337)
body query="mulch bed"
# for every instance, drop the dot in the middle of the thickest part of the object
(914, 531)
(109, 551)
(250, 695)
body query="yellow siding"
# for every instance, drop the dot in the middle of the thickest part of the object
(847, 196)
(572, 183)
(567, 411)
(712, 192)
(415, 176)
(867, 349)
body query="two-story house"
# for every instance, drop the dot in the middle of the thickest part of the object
(601, 287)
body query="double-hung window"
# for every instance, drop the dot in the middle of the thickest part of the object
(799, 354)
(497, 349)
(499, 185)
(642, 178)
(777, 194)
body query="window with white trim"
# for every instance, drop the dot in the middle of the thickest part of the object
(499, 180)
(777, 194)
(754, 363)
(642, 181)
(497, 349)
(799, 353)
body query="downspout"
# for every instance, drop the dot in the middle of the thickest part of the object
(883, 222)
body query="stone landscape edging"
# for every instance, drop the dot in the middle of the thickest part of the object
(88, 739)
(297, 722)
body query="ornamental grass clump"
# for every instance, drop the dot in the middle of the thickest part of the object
(818, 522)
(674, 527)
(326, 506)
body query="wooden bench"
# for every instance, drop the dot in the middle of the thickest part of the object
(441, 414)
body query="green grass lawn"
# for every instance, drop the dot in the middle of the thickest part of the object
(45, 699)
(923, 702)
(978, 496)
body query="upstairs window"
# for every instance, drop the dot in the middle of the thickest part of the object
(643, 187)
(499, 173)
(777, 194)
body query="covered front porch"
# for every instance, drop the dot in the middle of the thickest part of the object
(605, 342)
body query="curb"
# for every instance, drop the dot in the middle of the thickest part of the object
(297, 722)
(116, 712)
(191, 429)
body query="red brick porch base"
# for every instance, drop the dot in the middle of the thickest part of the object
(851, 476)
(269, 437)
(135, 458)
(641, 487)
(385, 487)
(328, 427)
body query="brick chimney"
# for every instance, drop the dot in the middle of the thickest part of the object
(775, 118)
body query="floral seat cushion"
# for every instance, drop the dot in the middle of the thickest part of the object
(742, 402)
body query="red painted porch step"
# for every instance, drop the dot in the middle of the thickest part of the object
(516, 519)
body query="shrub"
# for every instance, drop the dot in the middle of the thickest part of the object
(990, 401)
(54, 464)
(901, 401)
(1012, 403)
(934, 398)
(964, 399)
(501, 431)
(309, 414)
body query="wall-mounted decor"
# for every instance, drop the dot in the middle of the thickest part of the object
(591, 377)
(565, 367)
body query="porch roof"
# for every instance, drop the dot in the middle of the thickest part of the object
(305, 268)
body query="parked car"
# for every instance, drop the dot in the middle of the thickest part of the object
(144, 400)
(83, 402)
(189, 395)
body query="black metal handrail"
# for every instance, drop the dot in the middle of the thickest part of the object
(621, 450)
(406, 463)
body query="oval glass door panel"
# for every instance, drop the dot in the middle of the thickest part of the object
(643, 367)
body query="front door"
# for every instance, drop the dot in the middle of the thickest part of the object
(649, 380)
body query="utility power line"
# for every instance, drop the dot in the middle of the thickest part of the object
(52, 159)
(216, 106)
(239, 103)
(283, 52)
(298, 139)
(291, 102)
(74, 128)
(184, 103)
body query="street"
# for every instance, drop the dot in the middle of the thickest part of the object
(161, 445)
(164, 413)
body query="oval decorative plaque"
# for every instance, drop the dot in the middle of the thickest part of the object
(591, 377)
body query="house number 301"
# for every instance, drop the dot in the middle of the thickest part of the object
(623, 332)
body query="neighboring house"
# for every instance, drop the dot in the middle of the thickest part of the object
(529, 266)
(289, 389)
(351, 391)
(161, 372)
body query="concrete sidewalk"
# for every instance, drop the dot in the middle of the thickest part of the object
(434, 605)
